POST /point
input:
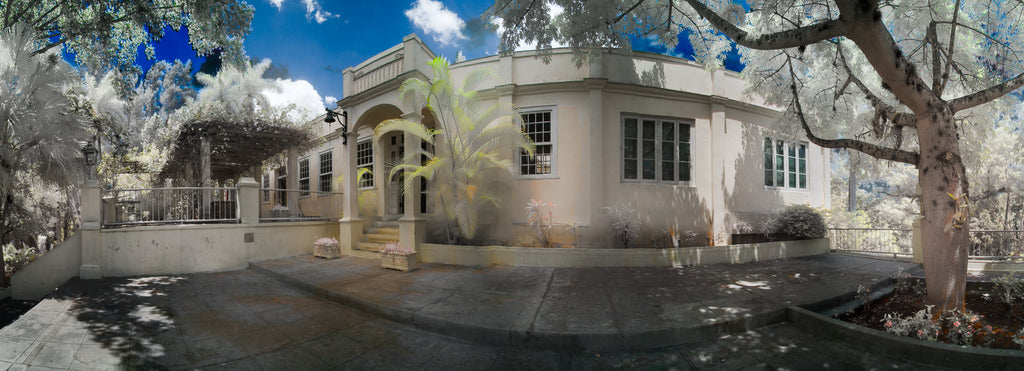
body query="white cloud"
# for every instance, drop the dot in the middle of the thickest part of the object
(330, 101)
(298, 92)
(315, 12)
(437, 21)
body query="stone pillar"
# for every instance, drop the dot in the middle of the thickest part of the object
(293, 181)
(717, 164)
(248, 207)
(412, 226)
(595, 164)
(351, 226)
(92, 241)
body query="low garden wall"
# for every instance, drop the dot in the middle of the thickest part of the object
(171, 249)
(579, 258)
(182, 249)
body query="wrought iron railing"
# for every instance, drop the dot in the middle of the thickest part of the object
(278, 205)
(886, 241)
(997, 244)
(140, 206)
(984, 244)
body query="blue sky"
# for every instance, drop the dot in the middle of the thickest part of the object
(317, 39)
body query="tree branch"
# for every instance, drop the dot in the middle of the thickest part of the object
(780, 40)
(987, 95)
(872, 150)
(882, 109)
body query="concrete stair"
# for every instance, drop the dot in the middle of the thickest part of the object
(378, 235)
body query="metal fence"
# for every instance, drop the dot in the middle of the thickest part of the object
(983, 244)
(139, 206)
(997, 244)
(278, 205)
(893, 242)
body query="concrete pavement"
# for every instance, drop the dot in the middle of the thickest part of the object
(249, 320)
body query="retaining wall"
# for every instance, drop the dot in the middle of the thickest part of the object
(578, 258)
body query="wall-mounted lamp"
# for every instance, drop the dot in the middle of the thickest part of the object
(332, 117)
(91, 156)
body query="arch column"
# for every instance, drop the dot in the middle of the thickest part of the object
(351, 227)
(412, 225)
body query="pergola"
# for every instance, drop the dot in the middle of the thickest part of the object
(217, 150)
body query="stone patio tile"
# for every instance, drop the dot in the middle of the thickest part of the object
(577, 277)
(245, 364)
(95, 357)
(669, 359)
(372, 332)
(68, 334)
(529, 359)
(590, 311)
(289, 359)
(11, 349)
(24, 329)
(53, 355)
(525, 282)
(553, 312)
(303, 330)
(214, 351)
(457, 355)
(334, 350)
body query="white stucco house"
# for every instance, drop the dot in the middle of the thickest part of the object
(685, 147)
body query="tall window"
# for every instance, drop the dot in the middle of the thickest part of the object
(656, 150)
(266, 188)
(785, 164)
(304, 177)
(364, 159)
(326, 171)
(538, 126)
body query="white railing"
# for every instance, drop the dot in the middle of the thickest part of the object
(984, 244)
(886, 241)
(278, 205)
(179, 205)
(387, 71)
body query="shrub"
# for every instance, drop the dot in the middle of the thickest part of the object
(1018, 338)
(920, 325)
(800, 222)
(15, 258)
(620, 219)
(540, 223)
(1009, 287)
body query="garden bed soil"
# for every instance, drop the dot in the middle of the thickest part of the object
(11, 309)
(996, 325)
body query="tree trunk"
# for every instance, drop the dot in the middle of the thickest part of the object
(851, 204)
(944, 199)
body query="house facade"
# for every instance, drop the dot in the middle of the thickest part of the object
(682, 147)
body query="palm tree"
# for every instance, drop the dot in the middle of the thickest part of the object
(39, 136)
(470, 165)
(239, 90)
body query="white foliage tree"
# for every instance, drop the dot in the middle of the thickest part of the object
(40, 133)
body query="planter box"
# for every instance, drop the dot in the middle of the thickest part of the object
(401, 262)
(326, 250)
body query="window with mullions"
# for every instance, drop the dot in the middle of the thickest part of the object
(304, 177)
(364, 159)
(538, 126)
(656, 150)
(326, 171)
(785, 164)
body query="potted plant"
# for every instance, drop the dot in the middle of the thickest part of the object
(326, 247)
(398, 257)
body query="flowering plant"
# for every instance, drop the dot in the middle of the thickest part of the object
(920, 325)
(395, 248)
(326, 241)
